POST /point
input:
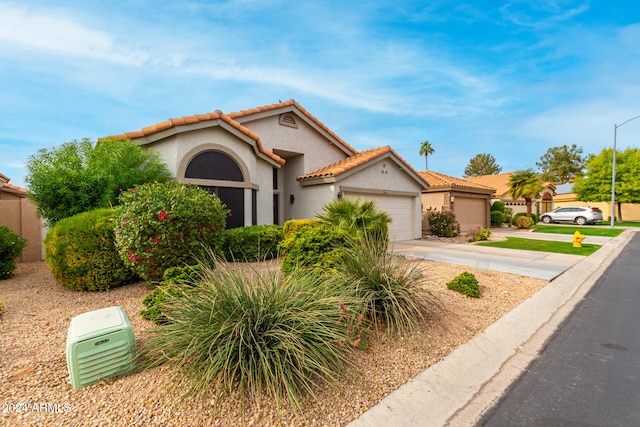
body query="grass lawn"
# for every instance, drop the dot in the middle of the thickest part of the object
(623, 224)
(543, 246)
(586, 230)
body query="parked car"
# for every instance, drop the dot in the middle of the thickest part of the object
(580, 215)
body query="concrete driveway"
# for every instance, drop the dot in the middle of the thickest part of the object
(539, 265)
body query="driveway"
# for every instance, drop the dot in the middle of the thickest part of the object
(539, 265)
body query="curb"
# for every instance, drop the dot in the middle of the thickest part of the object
(459, 389)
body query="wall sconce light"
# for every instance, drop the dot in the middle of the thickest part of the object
(340, 194)
(292, 198)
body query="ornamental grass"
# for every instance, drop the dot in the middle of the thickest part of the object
(255, 334)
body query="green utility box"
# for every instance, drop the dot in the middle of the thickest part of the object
(100, 344)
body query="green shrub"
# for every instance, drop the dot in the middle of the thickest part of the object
(356, 217)
(254, 243)
(389, 287)
(497, 218)
(497, 206)
(166, 225)
(81, 253)
(443, 224)
(316, 247)
(523, 222)
(535, 218)
(293, 225)
(175, 278)
(465, 283)
(237, 333)
(478, 234)
(11, 246)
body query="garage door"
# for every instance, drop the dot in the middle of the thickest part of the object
(470, 212)
(399, 208)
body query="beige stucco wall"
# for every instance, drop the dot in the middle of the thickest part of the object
(304, 139)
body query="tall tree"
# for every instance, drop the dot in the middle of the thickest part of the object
(482, 164)
(561, 164)
(426, 149)
(525, 184)
(75, 177)
(595, 185)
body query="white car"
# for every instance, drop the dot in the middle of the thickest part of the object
(580, 215)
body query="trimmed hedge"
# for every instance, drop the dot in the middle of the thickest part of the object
(293, 225)
(315, 246)
(254, 243)
(81, 252)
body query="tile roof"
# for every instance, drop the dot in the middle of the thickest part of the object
(498, 181)
(292, 103)
(230, 119)
(436, 179)
(356, 160)
(186, 120)
(5, 186)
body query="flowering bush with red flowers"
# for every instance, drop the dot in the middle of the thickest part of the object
(163, 225)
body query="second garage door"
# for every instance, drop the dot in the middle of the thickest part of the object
(470, 212)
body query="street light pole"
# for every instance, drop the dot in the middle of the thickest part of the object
(613, 170)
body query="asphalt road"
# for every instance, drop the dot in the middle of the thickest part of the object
(589, 372)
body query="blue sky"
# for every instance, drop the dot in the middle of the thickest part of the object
(508, 78)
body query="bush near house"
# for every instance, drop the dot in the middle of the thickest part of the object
(497, 218)
(316, 247)
(163, 225)
(357, 217)
(478, 233)
(81, 252)
(497, 206)
(523, 222)
(465, 283)
(293, 225)
(443, 224)
(11, 246)
(534, 217)
(254, 243)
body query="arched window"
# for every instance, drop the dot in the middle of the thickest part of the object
(214, 165)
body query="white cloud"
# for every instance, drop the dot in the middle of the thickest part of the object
(52, 32)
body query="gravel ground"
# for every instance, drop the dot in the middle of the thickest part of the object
(35, 388)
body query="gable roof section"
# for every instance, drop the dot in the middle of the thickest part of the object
(292, 106)
(440, 181)
(10, 188)
(500, 182)
(349, 165)
(217, 118)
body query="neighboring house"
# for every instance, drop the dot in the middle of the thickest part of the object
(566, 197)
(278, 162)
(500, 182)
(19, 214)
(469, 201)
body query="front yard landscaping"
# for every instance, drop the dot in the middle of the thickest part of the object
(542, 246)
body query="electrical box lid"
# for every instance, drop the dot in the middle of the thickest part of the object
(105, 319)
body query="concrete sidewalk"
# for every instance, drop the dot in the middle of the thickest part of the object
(457, 390)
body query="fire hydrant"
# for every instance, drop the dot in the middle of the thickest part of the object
(577, 239)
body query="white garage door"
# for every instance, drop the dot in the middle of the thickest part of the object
(399, 208)
(470, 212)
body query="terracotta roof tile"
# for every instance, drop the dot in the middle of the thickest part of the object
(5, 186)
(180, 121)
(352, 162)
(498, 181)
(436, 179)
(292, 103)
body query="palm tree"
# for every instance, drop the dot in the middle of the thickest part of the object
(525, 184)
(357, 217)
(425, 150)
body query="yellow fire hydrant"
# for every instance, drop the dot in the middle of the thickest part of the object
(577, 239)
